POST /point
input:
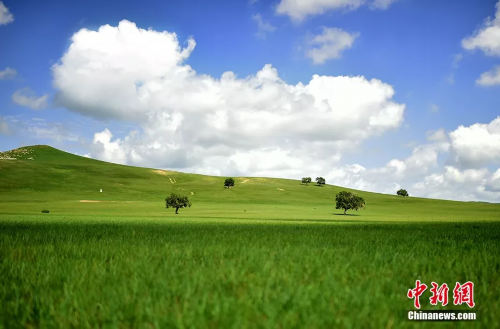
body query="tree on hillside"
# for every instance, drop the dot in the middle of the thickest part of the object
(306, 180)
(320, 181)
(177, 201)
(402, 192)
(229, 182)
(347, 200)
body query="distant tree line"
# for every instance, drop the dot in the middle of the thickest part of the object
(319, 180)
(344, 200)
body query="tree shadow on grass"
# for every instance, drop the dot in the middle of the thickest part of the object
(346, 214)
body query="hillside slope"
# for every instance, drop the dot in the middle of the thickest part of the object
(44, 174)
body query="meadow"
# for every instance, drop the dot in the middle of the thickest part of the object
(269, 253)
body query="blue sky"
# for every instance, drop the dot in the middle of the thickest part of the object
(417, 48)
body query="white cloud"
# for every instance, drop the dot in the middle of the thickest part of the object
(424, 157)
(329, 44)
(26, 97)
(5, 16)
(493, 182)
(454, 184)
(194, 122)
(299, 9)
(413, 174)
(262, 27)
(437, 135)
(394, 175)
(8, 74)
(477, 145)
(253, 126)
(487, 38)
(112, 151)
(490, 78)
(452, 174)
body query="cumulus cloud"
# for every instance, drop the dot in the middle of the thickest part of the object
(8, 74)
(26, 97)
(112, 151)
(396, 174)
(493, 182)
(490, 78)
(437, 135)
(329, 44)
(257, 125)
(262, 27)
(476, 145)
(5, 16)
(487, 38)
(299, 9)
(190, 121)
(422, 177)
(454, 184)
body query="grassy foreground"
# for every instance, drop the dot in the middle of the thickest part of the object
(268, 253)
(194, 273)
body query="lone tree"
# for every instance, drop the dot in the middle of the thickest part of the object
(229, 182)
(402, 192)
(177, 201)
(320, 181)
(347, 200)
(306, 180)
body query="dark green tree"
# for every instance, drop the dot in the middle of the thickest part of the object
(177, 201)
(320, 181)
(402, 192)
(347, 200)
(306, 180)
(229, 182)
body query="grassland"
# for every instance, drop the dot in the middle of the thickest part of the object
(269, 253)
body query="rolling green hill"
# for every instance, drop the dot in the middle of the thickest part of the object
(40, 176)
(268, 253)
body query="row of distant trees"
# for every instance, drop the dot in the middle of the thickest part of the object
(319, 180)
(344, 200)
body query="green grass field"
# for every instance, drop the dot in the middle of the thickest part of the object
(268, 253)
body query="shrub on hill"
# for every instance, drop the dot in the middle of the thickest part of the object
(229, 182)
(347, 200)
(320, 181)
(45, 211)
(177, 201)
(306, 180)
(402, 192)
